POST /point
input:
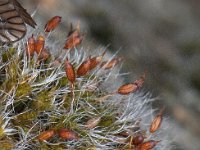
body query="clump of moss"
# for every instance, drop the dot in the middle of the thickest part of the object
(41, 107)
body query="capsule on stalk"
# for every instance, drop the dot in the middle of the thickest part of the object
(84, 68)
(39, 45)
(46, 135)
(95, 61)
(70, 73)
(30, 46)
(67, 134)
(52, 23)
(148, 145)
(131, 87)
(127, 88)
(110, 64)
(74, 38)
(156, 123)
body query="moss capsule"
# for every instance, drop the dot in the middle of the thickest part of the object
(46, 135)
(70, 73)
(156, 123)
(30, 46)
(39, 45)
(84, 68)
(131, 87)
(67, 134)
(52, 23)
(148, 145)
(110, 64)
(74, 38)
(95, 61)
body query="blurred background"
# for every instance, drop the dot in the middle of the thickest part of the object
(160, 36)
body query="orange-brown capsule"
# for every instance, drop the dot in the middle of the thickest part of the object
(30, 46)
(74, 38)
(39, 45)
(131, 87)
(92, 123)
(127, 88)
(84, 68)
(46, 135)
(156, 123)
(69, 69)
(148, 145)
(67, 134)
(95, 61)
(138, 139)
(52, 23)
(108, 65)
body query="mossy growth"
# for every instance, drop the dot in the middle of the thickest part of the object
(40, 108)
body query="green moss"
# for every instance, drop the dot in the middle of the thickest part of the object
(63, 82)
(12, 70)
(7, 55)
(92, 148)
(107, 121)
(27, 116)
(1, 132)
(43, 101)
(43, 146)
(23, 90)
(8, 85)
(6, 145)
(57, 147)
(35, 107)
